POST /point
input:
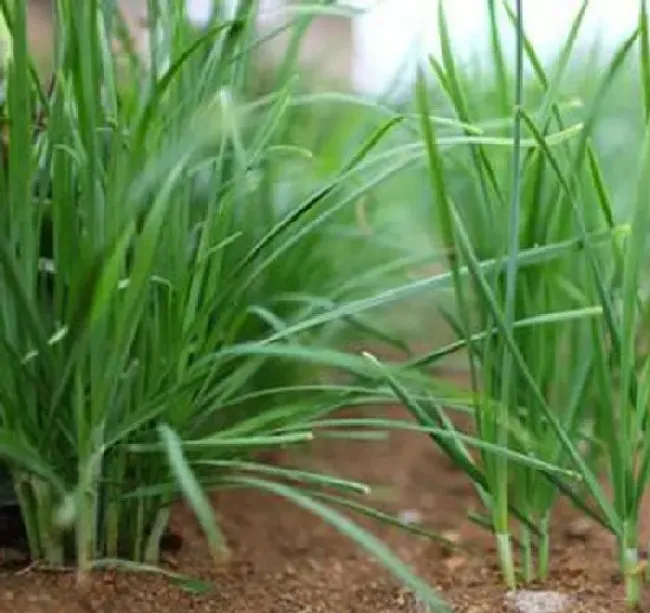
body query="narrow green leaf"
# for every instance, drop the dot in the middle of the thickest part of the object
(192, 491)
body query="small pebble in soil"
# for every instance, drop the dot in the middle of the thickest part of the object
(410, 516)
(455, 563)
(530, 601)
(578, 529)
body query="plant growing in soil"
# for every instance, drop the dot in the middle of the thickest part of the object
(163, 303)
(548, 304)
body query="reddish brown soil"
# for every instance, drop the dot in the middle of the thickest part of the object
(286, 561)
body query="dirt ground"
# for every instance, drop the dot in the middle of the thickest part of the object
(284, 560)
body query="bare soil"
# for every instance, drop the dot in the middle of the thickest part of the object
(285, 560)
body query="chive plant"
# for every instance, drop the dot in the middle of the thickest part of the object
(170, 276)
(552, 348)
(488, 237)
